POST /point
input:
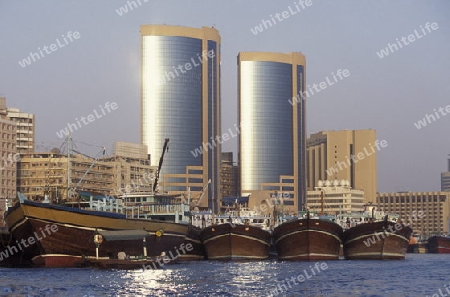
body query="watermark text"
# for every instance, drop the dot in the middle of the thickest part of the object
(407, 40)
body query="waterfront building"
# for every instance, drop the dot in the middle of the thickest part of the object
(272, 139)
(133, 170)
(434, 205)
(181, 102)
(25, 130)
(338, 198)
(8, 158)
(329, 157)
(126, 171)
(445, 179)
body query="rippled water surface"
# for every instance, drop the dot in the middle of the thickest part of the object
(418, 275)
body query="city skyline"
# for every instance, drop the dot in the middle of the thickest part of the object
(392, 94)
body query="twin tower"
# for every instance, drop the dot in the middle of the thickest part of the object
(181, 87)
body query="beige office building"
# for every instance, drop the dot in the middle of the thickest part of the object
(181, 102)
(272, 141)
(25, 130)
(46, 173)
(434, 205)
(338, 198)
(445, 179)
(344, 155)
(8, 158)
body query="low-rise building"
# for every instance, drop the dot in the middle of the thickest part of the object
(41, 174)
(434, 205)
(338, 198)
(132, 166)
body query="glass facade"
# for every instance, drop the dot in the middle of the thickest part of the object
(445, 181)
(173, 88)
(272, 142)
(301, 140)
(266, 142)
(213, 114)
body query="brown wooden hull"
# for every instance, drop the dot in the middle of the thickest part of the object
(12, 260)
(76, 230)
(308, 239)
(197, 252)
(374, 241)
(235, 242)
(439, 245)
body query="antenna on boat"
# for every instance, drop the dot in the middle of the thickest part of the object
(69, 143)
(321, 203)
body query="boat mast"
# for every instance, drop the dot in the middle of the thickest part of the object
(69, 141)
(321, 203)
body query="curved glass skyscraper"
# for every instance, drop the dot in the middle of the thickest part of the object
(181, 101)
(272, 141)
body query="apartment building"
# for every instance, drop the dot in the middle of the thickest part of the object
(8, 157)
(434, 205)
(25, 130)
(59, 177)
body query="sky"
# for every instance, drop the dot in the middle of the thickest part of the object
(100, 63)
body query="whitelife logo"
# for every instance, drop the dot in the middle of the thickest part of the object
(11, 250)
(398, 226)
(9, 161)
(164, 259)
(299, 6)
(210, 145)
(35, 56)
(168, 76)
(360, 156)
(322, 85)
(411, 38)
(429, 117)
(90, 118)
(288, 283)
(124, 9)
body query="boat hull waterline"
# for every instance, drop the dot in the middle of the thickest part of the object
(308, 239)
(439, 245)
(235, 242)
(76, 229)
(374, 241)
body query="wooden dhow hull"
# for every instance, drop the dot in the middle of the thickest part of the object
(235, 242)
(76, 229)
(439, 245)
(375, 241)
(193, 238)
(308, 239)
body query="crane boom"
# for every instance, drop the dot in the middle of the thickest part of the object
(203, 193)
(161, 159)
(101, 152)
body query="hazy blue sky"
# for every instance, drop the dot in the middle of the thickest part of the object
(388, 94)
